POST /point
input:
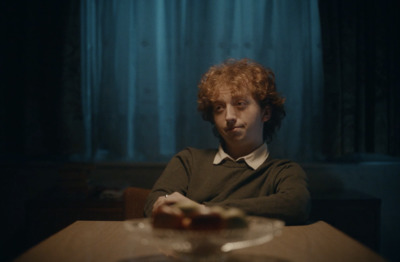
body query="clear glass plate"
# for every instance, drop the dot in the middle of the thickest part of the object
(205, 244)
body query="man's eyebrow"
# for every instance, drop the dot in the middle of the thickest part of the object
(239, 96)
(217, 102)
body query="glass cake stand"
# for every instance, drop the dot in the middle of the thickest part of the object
(210, 245)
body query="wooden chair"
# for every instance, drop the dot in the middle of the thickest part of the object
(134, 201)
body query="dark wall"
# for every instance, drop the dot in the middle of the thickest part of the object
(31, 76)
(31, 71)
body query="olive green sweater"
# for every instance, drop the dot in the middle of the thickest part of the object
(277, 189)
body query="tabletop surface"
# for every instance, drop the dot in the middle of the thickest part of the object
(110, 241)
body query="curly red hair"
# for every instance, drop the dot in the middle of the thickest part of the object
(242, 76)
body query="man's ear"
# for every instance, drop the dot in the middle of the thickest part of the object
(266, 114)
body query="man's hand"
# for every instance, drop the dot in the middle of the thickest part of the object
(172, 199)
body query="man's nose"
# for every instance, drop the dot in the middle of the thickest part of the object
(230, 114)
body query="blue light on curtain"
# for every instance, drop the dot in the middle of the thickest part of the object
(142, 60)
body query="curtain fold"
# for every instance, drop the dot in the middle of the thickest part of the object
(361, 64)
(142, 60)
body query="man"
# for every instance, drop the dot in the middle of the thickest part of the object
(240, 99)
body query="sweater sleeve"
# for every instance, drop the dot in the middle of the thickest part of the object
(173, 179)
(290, 200)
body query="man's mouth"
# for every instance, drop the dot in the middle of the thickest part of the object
(232, 128)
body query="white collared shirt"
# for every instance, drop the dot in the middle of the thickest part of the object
(254, 159)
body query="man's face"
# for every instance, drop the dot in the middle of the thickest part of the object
(239, 119)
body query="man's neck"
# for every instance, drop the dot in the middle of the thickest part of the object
(239, 151)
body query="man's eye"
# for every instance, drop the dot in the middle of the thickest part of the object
(241, 104)
(218, 108)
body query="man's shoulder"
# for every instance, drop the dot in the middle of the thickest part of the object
(281, 163)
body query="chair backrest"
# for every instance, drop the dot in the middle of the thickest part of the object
(134, 201)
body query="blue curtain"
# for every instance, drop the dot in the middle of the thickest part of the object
(142, 60)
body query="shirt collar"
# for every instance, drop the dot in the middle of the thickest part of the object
(254, 159)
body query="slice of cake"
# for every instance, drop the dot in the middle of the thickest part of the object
(189, 216)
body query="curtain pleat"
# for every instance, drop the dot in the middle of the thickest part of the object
(361, 55)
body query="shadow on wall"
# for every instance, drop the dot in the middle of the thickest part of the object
(379, 180)
(326, 183)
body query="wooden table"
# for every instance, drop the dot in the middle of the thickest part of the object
(110, 241)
